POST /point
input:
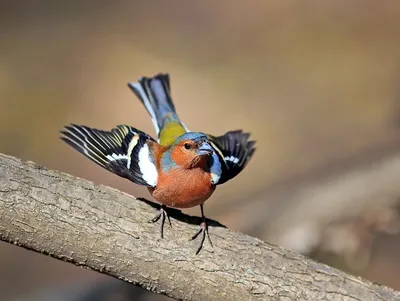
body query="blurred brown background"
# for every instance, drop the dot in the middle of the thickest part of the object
(317, 83)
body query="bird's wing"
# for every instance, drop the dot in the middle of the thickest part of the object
(123, 150)
(234, 152)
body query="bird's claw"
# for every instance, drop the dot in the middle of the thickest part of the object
(203, 230)
(157, 217)
(162, 214)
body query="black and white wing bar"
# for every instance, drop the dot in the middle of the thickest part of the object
(234, 151)
(123, 151)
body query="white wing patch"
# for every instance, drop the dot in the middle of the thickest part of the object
(232, 159)
(126, 156)
(147, 168)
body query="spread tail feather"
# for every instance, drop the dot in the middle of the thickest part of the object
(154, 93)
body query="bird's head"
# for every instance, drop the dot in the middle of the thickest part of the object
(191, 150)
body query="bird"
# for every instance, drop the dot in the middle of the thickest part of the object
(181, 168)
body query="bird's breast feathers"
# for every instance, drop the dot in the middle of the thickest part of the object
(183, 188)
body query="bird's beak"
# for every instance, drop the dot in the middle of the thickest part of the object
(205, 149)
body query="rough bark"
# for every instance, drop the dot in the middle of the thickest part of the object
(106, 230)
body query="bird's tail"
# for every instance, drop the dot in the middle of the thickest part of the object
(154, 93)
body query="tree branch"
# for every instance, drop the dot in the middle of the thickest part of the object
(106, 230)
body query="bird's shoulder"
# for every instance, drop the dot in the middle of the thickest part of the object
(158, 151)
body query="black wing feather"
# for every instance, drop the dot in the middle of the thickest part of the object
(116, 150)
(234, 151)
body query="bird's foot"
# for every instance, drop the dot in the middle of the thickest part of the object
(203, 230)
(162, 214)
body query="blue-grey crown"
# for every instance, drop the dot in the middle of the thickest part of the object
(194, 136)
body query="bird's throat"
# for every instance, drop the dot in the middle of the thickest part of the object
(199, 162)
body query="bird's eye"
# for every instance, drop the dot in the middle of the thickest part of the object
(187, 145)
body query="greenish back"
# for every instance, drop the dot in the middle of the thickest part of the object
(170, 132)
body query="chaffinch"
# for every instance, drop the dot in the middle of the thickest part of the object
(181, 169)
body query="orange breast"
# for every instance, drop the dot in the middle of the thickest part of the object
(183, 188)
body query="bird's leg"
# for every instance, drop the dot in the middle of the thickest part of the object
(203, 230)
(162, 213)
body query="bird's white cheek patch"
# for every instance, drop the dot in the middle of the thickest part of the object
(147, 168)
